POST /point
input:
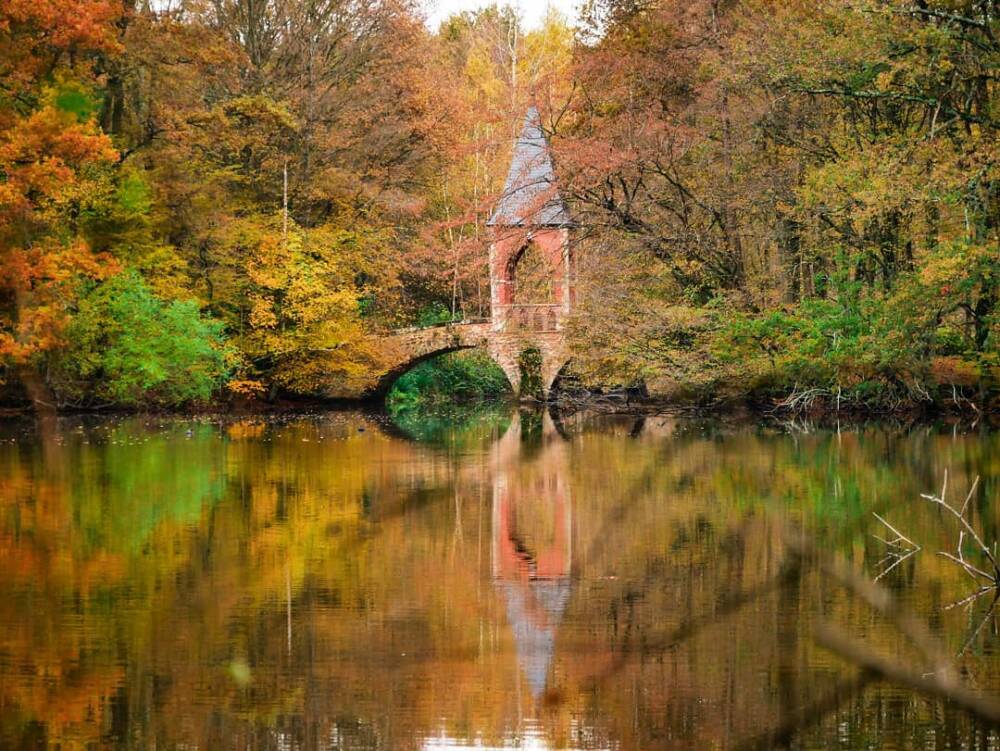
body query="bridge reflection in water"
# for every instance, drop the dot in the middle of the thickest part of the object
(532, 542)
(532, 558)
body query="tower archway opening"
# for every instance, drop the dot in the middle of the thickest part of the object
(531, 277)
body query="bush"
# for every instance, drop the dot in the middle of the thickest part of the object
(434, 315)
(875, 350)
(530, 364)
(130, 348)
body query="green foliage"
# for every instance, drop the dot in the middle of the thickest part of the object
(133, 194)
(461, 376)
(821, 343)
(434, 314)
(472, 425)
(76, 99)
(130, 348)
(862, 347)
(174, 469)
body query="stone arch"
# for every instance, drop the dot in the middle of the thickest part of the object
(553, 366)
(546, 249)
(389, 378)
(508, 360)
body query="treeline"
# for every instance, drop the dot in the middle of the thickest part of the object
(226, 199)
(231, 199)
(794, 200)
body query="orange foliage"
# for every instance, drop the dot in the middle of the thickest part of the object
(48, 144)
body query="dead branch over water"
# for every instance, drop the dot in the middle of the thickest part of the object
(934, 672)
(899, 549)
(992, 578)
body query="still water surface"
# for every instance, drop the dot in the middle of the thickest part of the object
(487, 580)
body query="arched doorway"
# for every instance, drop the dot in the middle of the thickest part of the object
(531, 277)
(533, 293)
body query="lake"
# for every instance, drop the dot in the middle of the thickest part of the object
(487, 579)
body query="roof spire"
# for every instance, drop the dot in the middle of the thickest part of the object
(530, 197)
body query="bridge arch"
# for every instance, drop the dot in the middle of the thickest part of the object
(409, 348)
(388, 379)
(554, 370)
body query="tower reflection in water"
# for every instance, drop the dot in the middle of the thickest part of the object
(532, 540)
(532, 554)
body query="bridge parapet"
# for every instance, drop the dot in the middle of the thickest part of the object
(446, 325)
(542, 317)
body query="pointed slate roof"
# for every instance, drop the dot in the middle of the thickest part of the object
(534, 613)
(530, 197)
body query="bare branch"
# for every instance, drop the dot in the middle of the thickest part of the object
(932, 684)
(967, 528)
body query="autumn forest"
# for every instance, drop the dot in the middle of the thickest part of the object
(318, 432)
(788, 203)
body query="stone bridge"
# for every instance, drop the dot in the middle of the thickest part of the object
(407, 348)
(532, 277)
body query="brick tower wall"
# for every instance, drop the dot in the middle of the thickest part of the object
(553, 242)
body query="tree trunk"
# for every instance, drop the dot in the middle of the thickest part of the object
(38, 392)
(31, 379)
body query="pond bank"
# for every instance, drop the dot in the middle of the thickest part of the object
(736, 411)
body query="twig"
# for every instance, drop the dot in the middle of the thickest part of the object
(892, 555)
(881, 600)
(975, 632)
(899, 560)
(966, 528)
(899, 535)
(969, 568)
(971, 598)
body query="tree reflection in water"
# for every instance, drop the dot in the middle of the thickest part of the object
(319, 582)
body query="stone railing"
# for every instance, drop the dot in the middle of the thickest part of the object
(439, 325)
(531, 317)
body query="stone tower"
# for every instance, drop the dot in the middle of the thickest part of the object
(530, 226)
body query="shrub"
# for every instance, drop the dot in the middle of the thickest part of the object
(130, 348)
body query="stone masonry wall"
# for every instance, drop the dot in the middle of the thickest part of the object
(407, 348)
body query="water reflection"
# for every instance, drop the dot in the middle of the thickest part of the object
(532, 549)
(476, 581)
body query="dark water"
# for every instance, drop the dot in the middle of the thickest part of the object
(494, 580)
